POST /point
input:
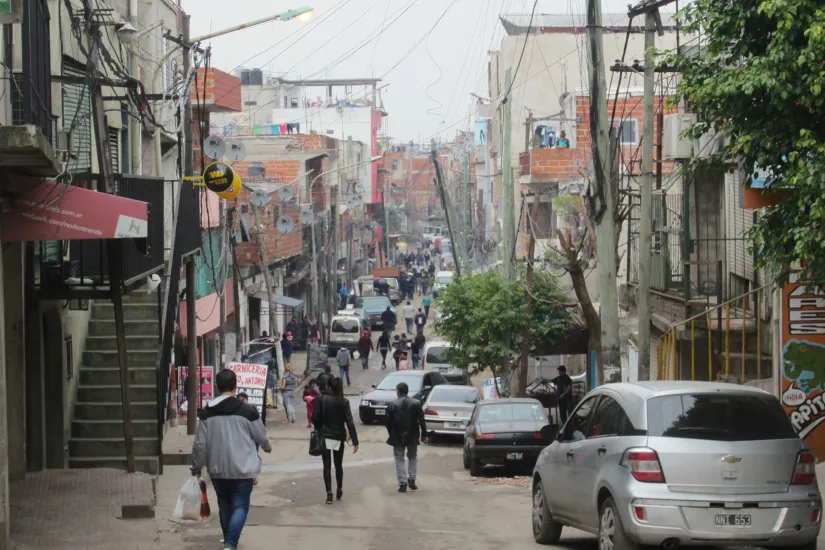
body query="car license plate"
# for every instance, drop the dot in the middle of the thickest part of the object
(453, 425)
(515, 456)
(732, 520)
(380, 412)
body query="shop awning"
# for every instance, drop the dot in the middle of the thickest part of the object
(294, 303)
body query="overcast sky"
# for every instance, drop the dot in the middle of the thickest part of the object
(429, 84)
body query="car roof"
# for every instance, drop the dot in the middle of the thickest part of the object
(441, 273)
(440, 343)
(656, 388)
(509, 401)
(453, 387)
(409, 373)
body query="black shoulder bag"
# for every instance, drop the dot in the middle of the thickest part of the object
(315, 437)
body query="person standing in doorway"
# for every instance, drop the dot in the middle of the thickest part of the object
(364, 348)
(286, 347)
(344, 363)
(406, 426)
(225, 444)
(288, 383)
(384, 347)
(427, 302)
(332, 418)
(409, 316)
(564, 391)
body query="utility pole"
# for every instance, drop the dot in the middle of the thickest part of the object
(349, 253)
(440, 182)
(236, 276)
(334, 244)
(605, 241)
(386, 224)
(528, 299)
(646, 214)
(220, 282)
(114, 247)
(508, 231)
(487, 179)
(273, 323)
(528, 130)
(468, 193)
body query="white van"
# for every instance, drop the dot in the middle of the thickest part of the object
(435, 357)
(345, 331)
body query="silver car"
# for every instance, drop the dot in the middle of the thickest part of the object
(447, 407)
(678, 463)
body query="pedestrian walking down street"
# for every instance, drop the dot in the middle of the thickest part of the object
(389, 319)
(398, 350)
(415, 350)
(332, 418)
(420, 321)
(427, 302)
(409, 316)
(324, 379)
(344, 363)
(225, 444)
(288, 383)
(311, 395)
(406, 426)
(286, 347)
(564, 391)
(384, 347)
(364, 348)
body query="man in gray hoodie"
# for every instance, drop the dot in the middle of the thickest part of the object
(226, 444)
(344, 361)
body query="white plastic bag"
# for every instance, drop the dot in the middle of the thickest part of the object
(189, 500)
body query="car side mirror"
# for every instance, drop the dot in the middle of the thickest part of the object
(465, 422)
(373, 386)
(427, 388)
(550, 432)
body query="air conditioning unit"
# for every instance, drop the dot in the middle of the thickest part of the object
(709, 143)
(677, 146)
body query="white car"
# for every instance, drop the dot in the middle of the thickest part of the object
(442, 279)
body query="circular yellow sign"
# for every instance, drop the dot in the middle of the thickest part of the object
(218, 177)
(234, 189)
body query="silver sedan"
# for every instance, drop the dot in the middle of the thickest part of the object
(448, 407)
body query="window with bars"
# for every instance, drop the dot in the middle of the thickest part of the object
(114, 147)
(77, 115)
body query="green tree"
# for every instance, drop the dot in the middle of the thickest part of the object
(483, 316)
(759, 80)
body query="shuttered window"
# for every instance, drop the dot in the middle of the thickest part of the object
(77, 115)
(738, 223)
(114, 147)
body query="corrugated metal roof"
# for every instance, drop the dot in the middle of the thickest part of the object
(517, 23)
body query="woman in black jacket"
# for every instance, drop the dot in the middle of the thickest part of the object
(332, 418)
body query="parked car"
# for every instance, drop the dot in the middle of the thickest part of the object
(678, 463)
(394, 290)
(505, 432)
(448, 407)
(373, 307)
(442, 279)
(373, 405)
(435, 357)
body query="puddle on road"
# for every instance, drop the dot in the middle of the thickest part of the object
(311, 465)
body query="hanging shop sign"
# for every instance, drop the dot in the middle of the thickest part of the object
(252, 381)
(218, 177)
(803, 360)
(233, 191)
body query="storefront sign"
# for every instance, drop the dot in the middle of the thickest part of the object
(206, 389)
(48, 211)
(489, 387)
(252, 380)
(218, 177)
(803, 361)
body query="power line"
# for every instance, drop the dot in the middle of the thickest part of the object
(524, 47)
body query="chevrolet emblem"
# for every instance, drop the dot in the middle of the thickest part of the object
(730, 459)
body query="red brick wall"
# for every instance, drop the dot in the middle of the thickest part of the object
(418, 172)
(218, 89)
(555, 163)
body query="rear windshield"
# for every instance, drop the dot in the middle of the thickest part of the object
(376, 302)
(444, 279)
(345, 325)
(718, 417)
(437, 355)
(511, 411)
(446, 394)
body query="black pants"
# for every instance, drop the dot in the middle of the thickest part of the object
(338, 457)
(384, 356)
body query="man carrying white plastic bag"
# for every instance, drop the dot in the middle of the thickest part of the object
(189, 500)
(225, 443)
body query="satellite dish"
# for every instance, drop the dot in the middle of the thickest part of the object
(353, 202)
(259, 198)
(285, 224)
(356, 189)
(286, 193)
(235, 150)
(214, 147)
(306, 215)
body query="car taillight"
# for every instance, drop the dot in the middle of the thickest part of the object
(644, 465)
(804, 472)
(537, 435)
(485, 436)
(329, 335)
(430, 412)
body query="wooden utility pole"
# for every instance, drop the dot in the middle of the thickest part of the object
(440, 182)
(646, 209)
(114, 247)
(332, 253)
(508, 231)
(605, 239)
(236, 276)
(528, 299)
(220, 285)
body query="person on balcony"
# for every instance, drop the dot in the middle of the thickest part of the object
(563, 141)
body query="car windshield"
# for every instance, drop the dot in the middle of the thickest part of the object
(446, 394)
(502, 412)
(437, 354)
(718, 417)
(375, 302)
(345, 325)
(392, 282)
(260, 354)
(444, 279)
(391, 381)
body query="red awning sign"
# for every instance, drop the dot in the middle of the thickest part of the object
(43, 210)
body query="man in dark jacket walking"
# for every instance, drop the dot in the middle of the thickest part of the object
(405, 425)
(226, 444)
(388, 319)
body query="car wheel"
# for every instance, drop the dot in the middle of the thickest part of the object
(611, 531)
(475, 466)
(466, 459)
(545, 529)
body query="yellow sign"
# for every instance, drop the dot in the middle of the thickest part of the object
(197, 181)
(233, 191)
(218, 177)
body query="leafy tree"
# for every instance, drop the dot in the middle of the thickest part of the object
(484, 317)
(759, 80)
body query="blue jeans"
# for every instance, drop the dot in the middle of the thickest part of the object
(233, 507)
(415, 359)
(409, 325)
(345, 373)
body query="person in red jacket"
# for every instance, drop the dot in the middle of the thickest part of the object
(364, 348)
